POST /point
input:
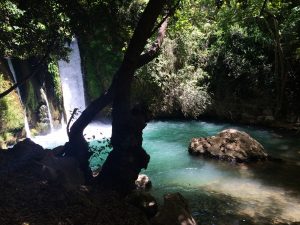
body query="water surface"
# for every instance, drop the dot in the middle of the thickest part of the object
(221, 192)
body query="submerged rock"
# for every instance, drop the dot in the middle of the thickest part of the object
(175, 211)
(230, 145)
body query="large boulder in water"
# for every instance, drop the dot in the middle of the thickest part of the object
(230, 145)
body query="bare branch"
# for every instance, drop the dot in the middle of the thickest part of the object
(153, 51)
(88, 114)
(167, 16)
(70, 120)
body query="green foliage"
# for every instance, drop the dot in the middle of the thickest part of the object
(242, 53)
(104, 42)
(214, 50)
(238, 64)
(33, 28)
(92, 80)
(99, 72)
(31, 101)
(55, 77)
(11, 112)
(177, 73)
(224, 52)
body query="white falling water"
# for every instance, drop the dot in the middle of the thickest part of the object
(72, 83)
(26, 125)
(48, 109)
(12, 70)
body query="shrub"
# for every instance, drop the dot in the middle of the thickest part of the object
(11, 111)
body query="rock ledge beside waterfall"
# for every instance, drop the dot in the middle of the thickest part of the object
(229, 145)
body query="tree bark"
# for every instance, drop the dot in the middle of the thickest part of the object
(127, 158)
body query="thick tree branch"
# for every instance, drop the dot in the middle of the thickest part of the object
(168, 14)
(153, 51)
(37, 68)
(263, 7)
(21, 82)
(90, 112)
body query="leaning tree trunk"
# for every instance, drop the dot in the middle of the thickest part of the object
(127, 157)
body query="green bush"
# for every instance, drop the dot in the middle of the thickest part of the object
(11, 111)
(177, 73)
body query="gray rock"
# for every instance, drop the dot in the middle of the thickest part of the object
(230, 145)
(143, 182)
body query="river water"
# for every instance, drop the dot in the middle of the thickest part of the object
(219, 192)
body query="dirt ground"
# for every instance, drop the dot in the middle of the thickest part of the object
(27, 198)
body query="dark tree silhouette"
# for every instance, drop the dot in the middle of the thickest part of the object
(127, 158)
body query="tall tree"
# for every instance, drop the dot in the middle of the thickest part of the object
(127, 157)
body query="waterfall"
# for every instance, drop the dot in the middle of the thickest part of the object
(73, 95)
(48, 109)
(26, 125)
(12, 70)
(72, 83)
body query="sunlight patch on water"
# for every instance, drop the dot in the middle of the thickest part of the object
(258, 201)
(186, 177)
